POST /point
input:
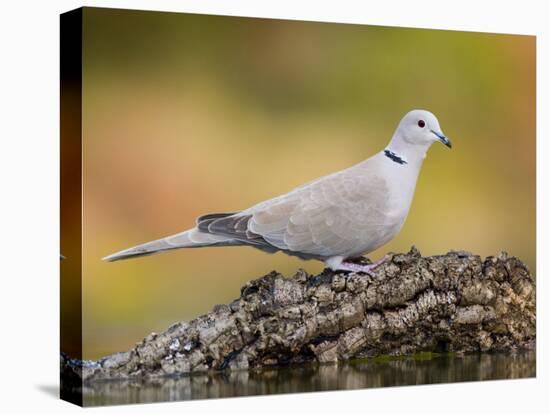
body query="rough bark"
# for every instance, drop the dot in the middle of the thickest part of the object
(455, 302)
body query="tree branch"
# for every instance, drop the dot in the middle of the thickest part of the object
(455, 302)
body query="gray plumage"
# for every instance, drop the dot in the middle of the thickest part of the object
(336, 217)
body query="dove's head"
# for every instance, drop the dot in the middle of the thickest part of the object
(421, 127)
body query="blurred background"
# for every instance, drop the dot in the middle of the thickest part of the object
(187, 114)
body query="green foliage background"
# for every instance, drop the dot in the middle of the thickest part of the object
(189, 114)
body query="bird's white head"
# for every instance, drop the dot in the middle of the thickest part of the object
(419, 127)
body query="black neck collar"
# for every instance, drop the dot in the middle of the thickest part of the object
(394, 157)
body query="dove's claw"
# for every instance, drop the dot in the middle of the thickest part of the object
(367, 269)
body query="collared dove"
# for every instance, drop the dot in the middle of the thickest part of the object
(335, 218)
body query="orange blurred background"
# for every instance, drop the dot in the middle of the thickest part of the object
(189, 114)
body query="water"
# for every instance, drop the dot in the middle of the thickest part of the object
(358, 374)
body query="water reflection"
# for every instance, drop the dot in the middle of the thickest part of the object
(344, 376)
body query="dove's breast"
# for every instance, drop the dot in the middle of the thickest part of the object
(387, 196)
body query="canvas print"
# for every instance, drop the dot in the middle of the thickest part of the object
(259, 206)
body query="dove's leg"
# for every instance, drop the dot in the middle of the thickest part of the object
(338, 263)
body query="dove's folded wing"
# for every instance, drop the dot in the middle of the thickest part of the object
(329, 217)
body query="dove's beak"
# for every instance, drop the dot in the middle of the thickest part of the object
(442, 138)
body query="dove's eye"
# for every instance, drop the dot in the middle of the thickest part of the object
(421, 124)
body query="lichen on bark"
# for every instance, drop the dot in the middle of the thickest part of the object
(453, 302)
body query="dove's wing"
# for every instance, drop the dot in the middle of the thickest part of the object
(338, 215)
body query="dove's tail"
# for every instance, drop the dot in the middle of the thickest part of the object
(187, 239)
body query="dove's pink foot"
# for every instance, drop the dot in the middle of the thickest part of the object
(368, 269)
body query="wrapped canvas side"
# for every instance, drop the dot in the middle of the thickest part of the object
(71, 198)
